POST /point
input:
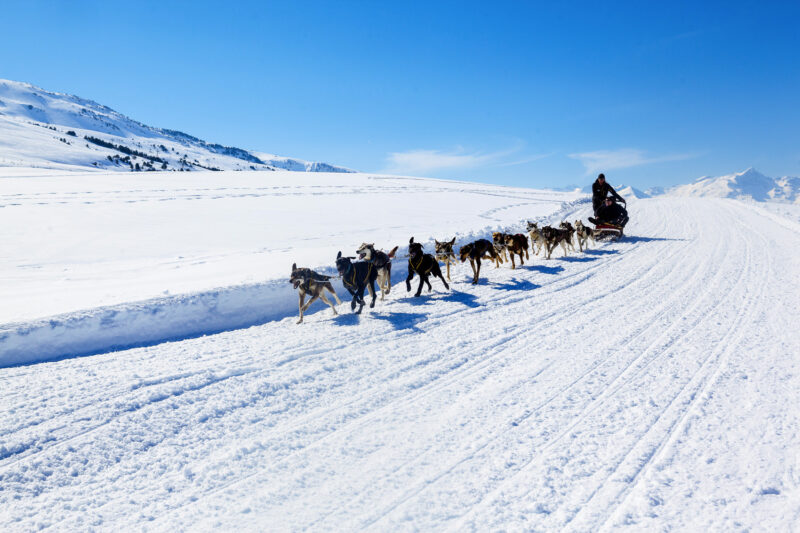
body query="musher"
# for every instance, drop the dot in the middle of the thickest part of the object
(600, 191)
(610, 212)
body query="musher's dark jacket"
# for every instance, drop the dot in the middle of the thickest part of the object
(599, 193)
(610, 213)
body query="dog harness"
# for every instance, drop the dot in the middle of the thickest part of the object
(352, 282)
(419, 263)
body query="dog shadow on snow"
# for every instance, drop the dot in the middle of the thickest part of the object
(464, 298)
(544, 269)
(515, 285)
(346, 319)
(401, 321)
(593, 251)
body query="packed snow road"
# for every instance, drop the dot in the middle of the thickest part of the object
(646, 384)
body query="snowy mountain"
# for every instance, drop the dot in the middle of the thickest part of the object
(46, 129)
(749, 184)
(628, 191)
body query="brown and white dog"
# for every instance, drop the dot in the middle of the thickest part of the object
(445, 253)
(517, 244)
(382, 262)
(552, 238)
(499, 241)
(537, 240)
(306, 281)
(584, 234)
(475, 251)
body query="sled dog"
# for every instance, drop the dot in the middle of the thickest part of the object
(552, 238)
(475, 251)
(382, 262)
(308, 282)
(499, 241)
(422, 264)
(536, 237)
(584, 234)
(517, 244)
(356, 277)
(445, 253)
(570, 233)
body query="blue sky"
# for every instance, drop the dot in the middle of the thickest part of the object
(518, 93)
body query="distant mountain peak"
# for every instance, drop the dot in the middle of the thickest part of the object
(41, 128)
(747, 184)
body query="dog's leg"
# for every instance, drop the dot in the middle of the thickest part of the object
(513, 265)
(477, 272)
(329, 287)
(388, 278)
(300, 305)
(308, 303)
(409, 278)
(421, 283)
(447, 263)
(372, 293)
(474, 272)
(438, 272)
(325, 299)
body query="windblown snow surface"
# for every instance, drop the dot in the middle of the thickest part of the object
(646, 384)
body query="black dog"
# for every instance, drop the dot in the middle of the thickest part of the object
(423, 264)
(475, 251)
(356, 277)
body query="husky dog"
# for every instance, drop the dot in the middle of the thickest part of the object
(499, 241)
(536, 237)
(570, 232)
(517, 244)
(552, 238)
(444, 253)
(306, 281)
(422, 264)
(382, 262)
(356, 277)
(584, 234)
(475, 251)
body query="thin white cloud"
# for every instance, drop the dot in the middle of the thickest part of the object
(427, 161)
(600, 160)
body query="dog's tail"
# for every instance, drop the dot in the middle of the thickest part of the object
(392, 252)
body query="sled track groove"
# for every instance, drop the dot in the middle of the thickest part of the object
(608, 391)
(698, 387)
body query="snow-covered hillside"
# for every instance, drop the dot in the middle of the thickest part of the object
(44, 129)
(749, 184)
(647, 385)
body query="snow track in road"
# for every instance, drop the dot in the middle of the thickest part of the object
(576, 393)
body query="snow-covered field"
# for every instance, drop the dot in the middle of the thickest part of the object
(94, 260)
(646, 384)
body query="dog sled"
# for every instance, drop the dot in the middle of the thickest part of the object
(606, 231)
